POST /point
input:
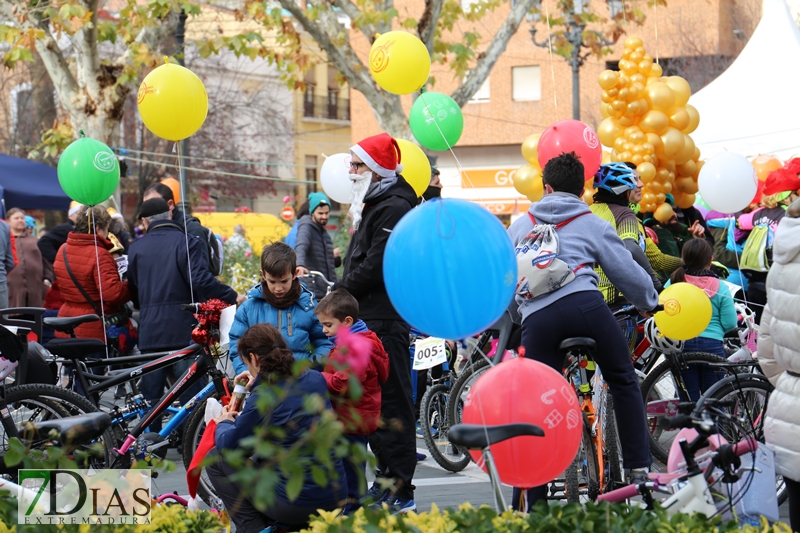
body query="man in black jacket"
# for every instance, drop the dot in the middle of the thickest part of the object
(160, 280)
(314, 246)
(54, 238)
(386, 197)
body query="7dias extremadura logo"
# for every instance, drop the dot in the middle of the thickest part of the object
(51, 497)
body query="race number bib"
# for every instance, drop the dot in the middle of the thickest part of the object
(429, 353)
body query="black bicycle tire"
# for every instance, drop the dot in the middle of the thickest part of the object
(193, 424)
(464, 376)
(654, 377)
(731, 385)
(572, 481)
(424, 420)
(612, 442)
(72, 404)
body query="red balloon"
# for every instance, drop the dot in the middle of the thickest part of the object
(526, 391)
(571, 136)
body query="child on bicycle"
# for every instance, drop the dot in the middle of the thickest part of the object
(359, 413)
(696, 259)
(285, 302)
(263, 349)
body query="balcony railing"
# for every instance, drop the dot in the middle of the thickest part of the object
(329, 107)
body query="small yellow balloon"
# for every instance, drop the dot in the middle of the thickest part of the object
(172, 102)
(663, 213)
(528, 182)
(686, 314)
(694, 119)
(686, 185)
(660, 96)
(647, 171)
(588, 195)
(674, 141)
(529, 146)
(608, 131)
(656, 71)
(680, 87)
(686, 152)
(416, 166)
(606, 158)
(632, 43)
(654, 121)
(608, 79)
(680, 118)
(399, 62)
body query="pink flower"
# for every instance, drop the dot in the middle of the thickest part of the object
(351, 230)
(248, 253)
(286, 199)
(352, 351)
(236, 210)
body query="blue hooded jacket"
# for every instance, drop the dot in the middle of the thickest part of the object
(298, 324)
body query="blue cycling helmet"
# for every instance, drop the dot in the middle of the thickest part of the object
(616, 178)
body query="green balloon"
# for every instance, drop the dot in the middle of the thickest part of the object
(88, 171)
(436, 121)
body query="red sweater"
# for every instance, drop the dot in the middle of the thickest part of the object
(360, 417)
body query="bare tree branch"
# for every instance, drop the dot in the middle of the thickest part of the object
(56, 65)
(88, 57)
(428, 22)
(487, 59)
(352, 11)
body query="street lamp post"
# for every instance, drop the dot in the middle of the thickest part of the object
(575, 33)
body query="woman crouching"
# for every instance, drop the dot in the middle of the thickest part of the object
(264, 351)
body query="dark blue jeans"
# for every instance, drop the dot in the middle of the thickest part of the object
(698, 378)
(585, 314)
(351, 469)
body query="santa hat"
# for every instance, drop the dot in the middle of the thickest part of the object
(380, 153)
(781, 180)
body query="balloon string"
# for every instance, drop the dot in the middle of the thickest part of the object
(181, 181)
(99, 276)
(655, 12)
(552, 69)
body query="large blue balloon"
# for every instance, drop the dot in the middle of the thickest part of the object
(450, 268)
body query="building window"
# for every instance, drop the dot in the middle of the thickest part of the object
(483, 94)
(527, 84)
(311, 168)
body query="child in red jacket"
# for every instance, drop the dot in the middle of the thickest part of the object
(358, 353)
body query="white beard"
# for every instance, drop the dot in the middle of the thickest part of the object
(360, 184)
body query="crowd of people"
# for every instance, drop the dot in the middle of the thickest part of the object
(617, 256)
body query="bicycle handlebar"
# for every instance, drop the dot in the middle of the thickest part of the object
(628, 492)
(314, 273)
(189, 307)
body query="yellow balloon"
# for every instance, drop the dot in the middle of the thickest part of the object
(680, 118)
(686, 314)
(416, 166)
(608, 131)
(529, 146)
(656, 71)
(606, 158)
(632, 43)
(660, 96)
(694, 119)
(664, 211)
(647, 171)
(654, 121)
(399, 62)
(686, 152)
(588, 195)
(173, 102)
(674, 141)
(680, 87)
(608, 79)
(528, 182)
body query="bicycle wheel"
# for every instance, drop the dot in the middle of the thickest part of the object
(582, 476)
(195, 427)
(749, 396)
(435, 427)
(458, 393)
(662, 392)
(613, 474)
(37, 402)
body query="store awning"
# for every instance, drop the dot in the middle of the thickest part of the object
(30, 185)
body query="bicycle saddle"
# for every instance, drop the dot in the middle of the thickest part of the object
(72, 430)
(76, 348)
(68, 323)
(474, 436)
(576, 343)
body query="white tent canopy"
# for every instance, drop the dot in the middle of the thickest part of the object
(752, 108)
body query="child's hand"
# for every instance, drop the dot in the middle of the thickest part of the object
(245, 375)
(226, 415)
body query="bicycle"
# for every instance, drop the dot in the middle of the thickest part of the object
(138, 442)
(718, 467)
(318, 276)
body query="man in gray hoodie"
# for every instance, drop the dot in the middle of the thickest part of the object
(577, 308)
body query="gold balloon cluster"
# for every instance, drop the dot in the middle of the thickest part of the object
(528, 178)
(647, 122)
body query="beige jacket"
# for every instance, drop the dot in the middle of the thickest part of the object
(779, 346)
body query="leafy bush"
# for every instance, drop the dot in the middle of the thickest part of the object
(571, 518)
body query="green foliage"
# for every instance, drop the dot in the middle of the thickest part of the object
(341, 239)
(241, 267)
(571, 518)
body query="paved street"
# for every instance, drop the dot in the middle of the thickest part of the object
(433, 483)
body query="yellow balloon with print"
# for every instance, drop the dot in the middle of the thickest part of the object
(528, 181)
(416, 166)
(399, 62)
(173, 102)
(529, 146)
(686, 314)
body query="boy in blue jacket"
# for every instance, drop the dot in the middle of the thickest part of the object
(286, 303)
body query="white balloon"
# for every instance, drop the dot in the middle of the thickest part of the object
(335, 178)
(727, 182)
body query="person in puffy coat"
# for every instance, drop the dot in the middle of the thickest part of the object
(283, 301)
(779, 356)
(314, 245)
(86, 246)
(358, 353)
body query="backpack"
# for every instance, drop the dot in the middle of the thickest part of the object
(539, 269)
(754, 255)
(216, 252)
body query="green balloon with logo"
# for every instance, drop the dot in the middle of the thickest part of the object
(436, 121)
(88, 171)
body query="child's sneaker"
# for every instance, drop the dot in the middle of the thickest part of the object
(376, 495)
(400, 505)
